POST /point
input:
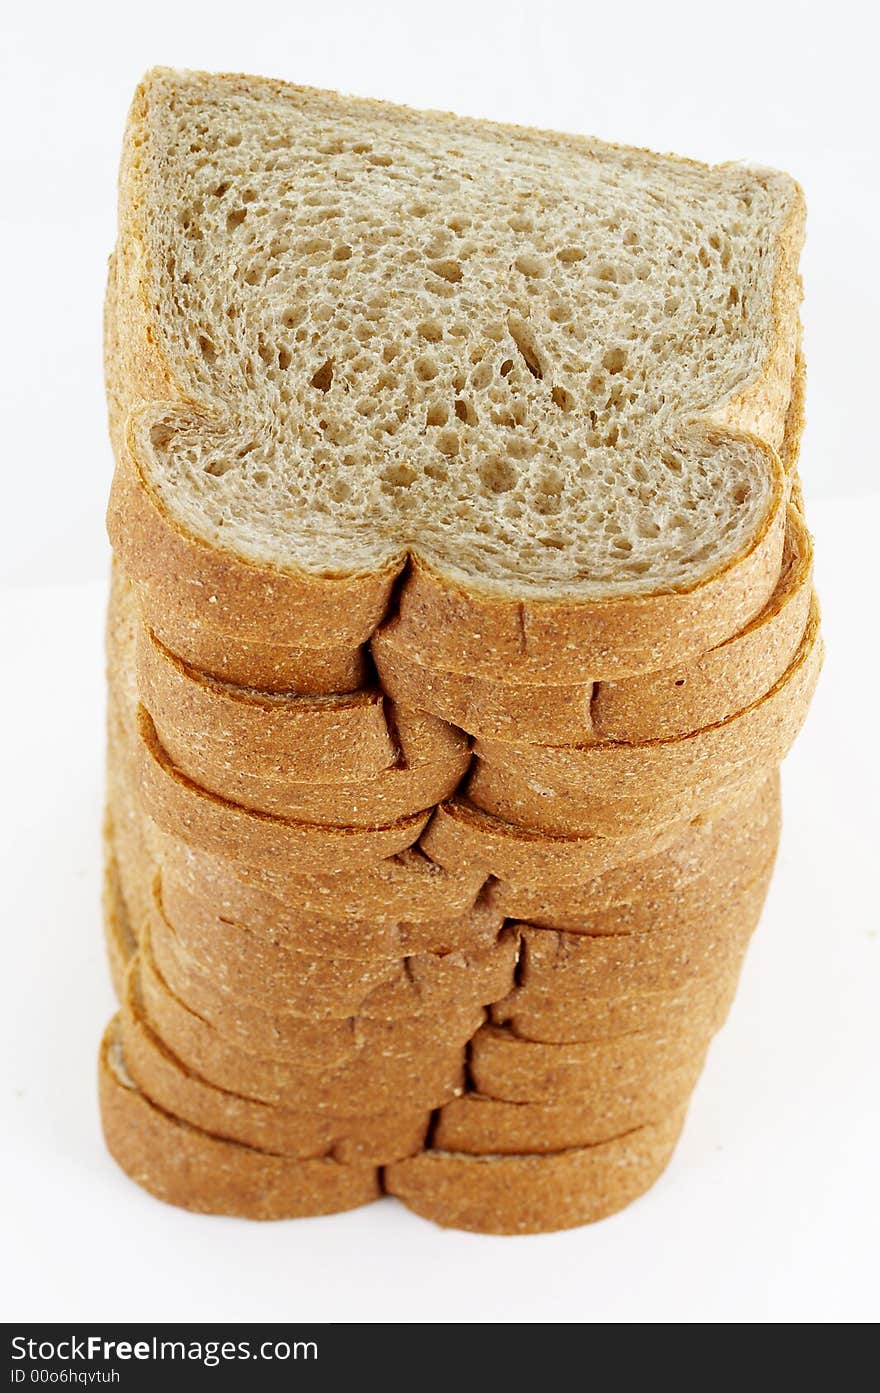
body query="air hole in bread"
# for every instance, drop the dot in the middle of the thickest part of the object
(437, 414)
(447, 270)
(322, 379)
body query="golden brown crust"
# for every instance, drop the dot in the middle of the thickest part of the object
(460, 834)
(313, 738)
(369, 1081)
(119, 941)
(202, 911)
(167, 1083)
(182, 809)
(712, 688)
(708, 859)
(526, 1071)
(449, 627)
(677, 975)
(607, 788)
(261, 664)
(480, 1126)
(456, 982)
(534, 1194)
(192, 1169)
(546, 1019)
(482, 705)
(432, 759)
(405, 888)
(523, 801)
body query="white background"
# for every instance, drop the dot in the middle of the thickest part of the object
(769, 1211)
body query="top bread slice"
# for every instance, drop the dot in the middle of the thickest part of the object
(549, 374)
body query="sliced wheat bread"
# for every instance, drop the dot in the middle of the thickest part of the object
(611, 788)
(432, 759)
(249, 479)
(482, 1126)
(370, 1081)
(672, 701)
(194, 1169)
(714, 856)
(461, 835)
(535, 1193)
(525, 1071)
(188, 812)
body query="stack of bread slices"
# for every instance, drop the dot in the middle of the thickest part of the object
(461, 616)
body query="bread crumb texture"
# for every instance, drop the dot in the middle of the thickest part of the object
(389, 331)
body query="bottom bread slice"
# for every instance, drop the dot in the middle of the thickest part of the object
(166, 1081)
(535, 1193)
(194, 1170)
(483, 1126)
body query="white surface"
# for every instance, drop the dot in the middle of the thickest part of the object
(790, 83)
(769, 1211)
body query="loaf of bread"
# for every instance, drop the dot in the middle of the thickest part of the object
(461, 615)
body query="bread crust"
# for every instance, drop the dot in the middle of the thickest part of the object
(404, 889)
(676, 972)
(310, 738)
(462, 835)
(120, 942)
(431, 760)
(561, 640)
(544, 1019)
(454, 982)
(369, 1081)
(508, 1194)
(707, 860)
(479, 1126)
(482, 705)
(185, 1166)
(473, 628)
(255, 663)
(182, 809)
(524, 1071)
(612, 787)
(238, 913)
(671, 701)
(167, 1083)
(725, 680)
